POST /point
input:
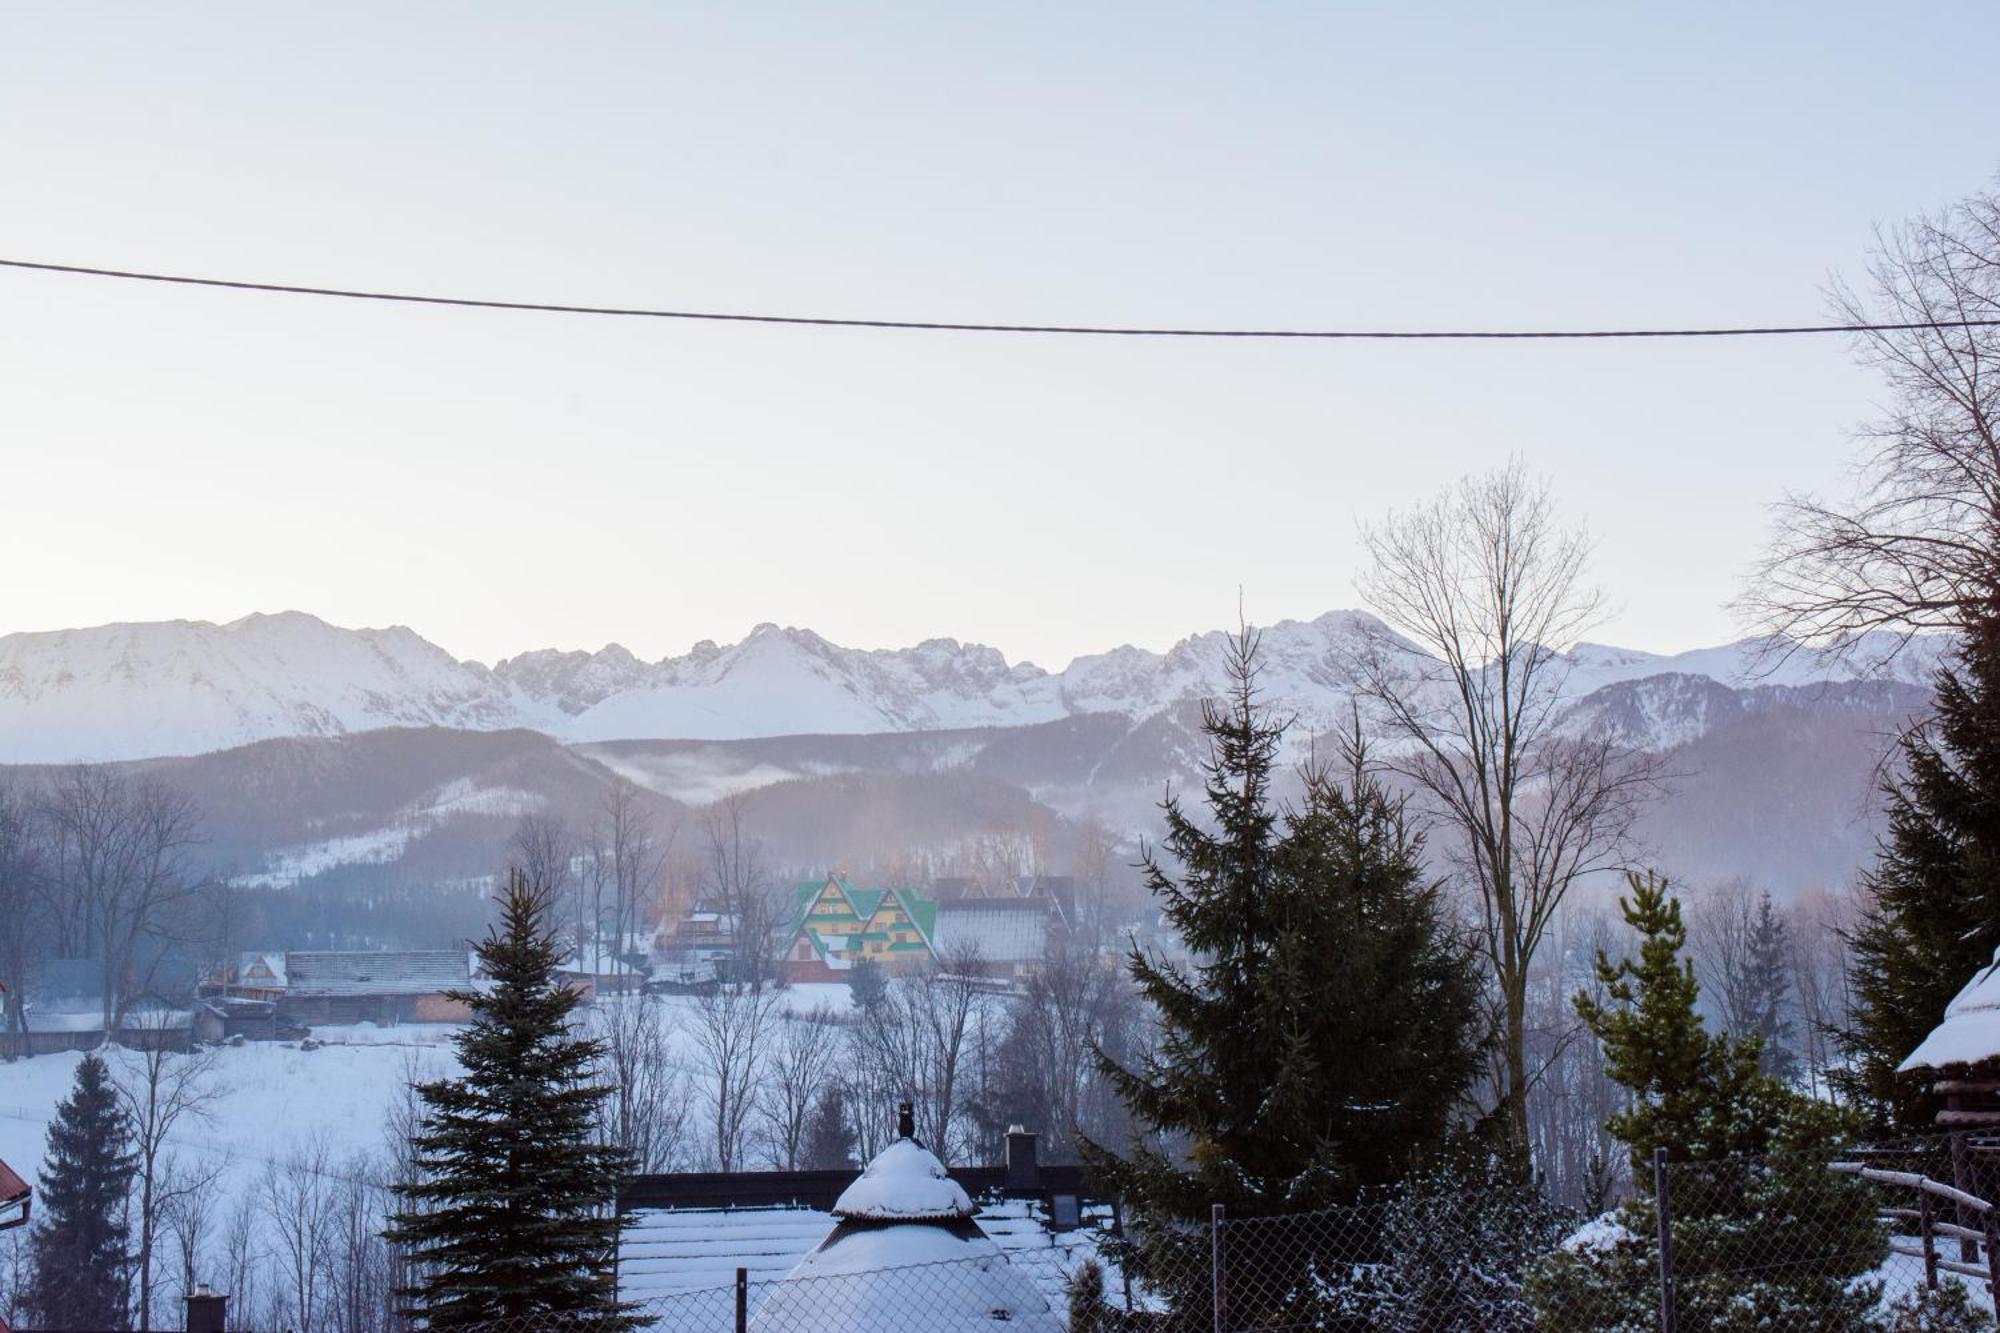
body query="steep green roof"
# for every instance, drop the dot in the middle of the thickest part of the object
(921, 910)
(861, 902)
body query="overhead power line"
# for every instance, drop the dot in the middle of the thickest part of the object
(959, 326)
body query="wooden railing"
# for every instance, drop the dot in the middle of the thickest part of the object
(1978, 1247)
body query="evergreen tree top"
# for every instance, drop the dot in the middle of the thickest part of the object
(513, 1211)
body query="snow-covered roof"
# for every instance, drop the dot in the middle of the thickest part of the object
(895, 1278)
(1971, 1028)
(156, 1019)
(904, 1183)
(408, 972)
(1001, 930)
(902, 1251)
(670, 1250)
(266, 969)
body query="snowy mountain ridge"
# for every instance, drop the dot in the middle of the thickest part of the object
(128, 691)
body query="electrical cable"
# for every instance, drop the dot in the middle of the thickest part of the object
(951, 326)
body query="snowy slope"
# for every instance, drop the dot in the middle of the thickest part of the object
(187, 687)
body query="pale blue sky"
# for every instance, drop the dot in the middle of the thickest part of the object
(501, 482)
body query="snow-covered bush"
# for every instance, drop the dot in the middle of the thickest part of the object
(1763, 1243)
(1456, 1248)
(1949, 1309)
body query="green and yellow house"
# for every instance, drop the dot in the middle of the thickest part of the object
(836, 925)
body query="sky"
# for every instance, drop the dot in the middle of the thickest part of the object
(505, 481)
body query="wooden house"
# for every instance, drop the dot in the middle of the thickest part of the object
(14, 1199)
(835, 925)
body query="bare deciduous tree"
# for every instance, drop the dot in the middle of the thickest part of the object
(1577, 1162)
(1045, 1072)
(804, 1057)
(647, 1112)
(300, 1207)
(119, 849)
(731, 1029)
(361, 1271)
(1489, 590)
(163, 1092)
(738, 882)
(544, 848)
(243, 1262)
(189, 1197)
(626, 859)
(1825, 922)
(1918, 546)
(915, 1038)
(23, 889)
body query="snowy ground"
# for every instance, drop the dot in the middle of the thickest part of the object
(275, 1097)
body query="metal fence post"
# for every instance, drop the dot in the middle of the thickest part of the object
(1215, 1268)
(1991, 1226)
(742, 1299)
(1118, 1230)
(1661, 1203)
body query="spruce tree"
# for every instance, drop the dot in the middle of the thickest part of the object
(1933, 914)
(512, 1211)
(77, 1246)
(1321, 1035)
(829, 1136)
(1764, 1002)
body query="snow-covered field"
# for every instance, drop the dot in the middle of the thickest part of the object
(276, 1097)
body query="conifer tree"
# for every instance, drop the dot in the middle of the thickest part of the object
(1763, 1233)
(511, 1213)
(1765, 998)
(1933, 916)
(1325, 1030)
(829, 1137)
(77, 1246)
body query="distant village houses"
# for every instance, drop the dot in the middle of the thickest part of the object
(999, 930)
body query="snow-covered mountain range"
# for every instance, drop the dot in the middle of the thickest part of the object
(130, 691)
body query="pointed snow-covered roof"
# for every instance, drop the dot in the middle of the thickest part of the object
(905, 1183)
(905, 1254)
(1970, 1032)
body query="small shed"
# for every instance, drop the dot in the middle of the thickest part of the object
(1963, 1053)
(905, 1253)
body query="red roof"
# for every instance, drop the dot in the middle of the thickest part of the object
(13, 1189)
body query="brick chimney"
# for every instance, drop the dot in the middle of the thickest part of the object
(207, 1311)
(1023, 1172)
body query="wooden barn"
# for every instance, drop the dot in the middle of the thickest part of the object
(389, 986)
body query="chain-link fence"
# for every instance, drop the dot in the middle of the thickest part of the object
(1896, 1238)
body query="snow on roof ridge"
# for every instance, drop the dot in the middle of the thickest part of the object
(904, 1183)
(1970, 1031)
